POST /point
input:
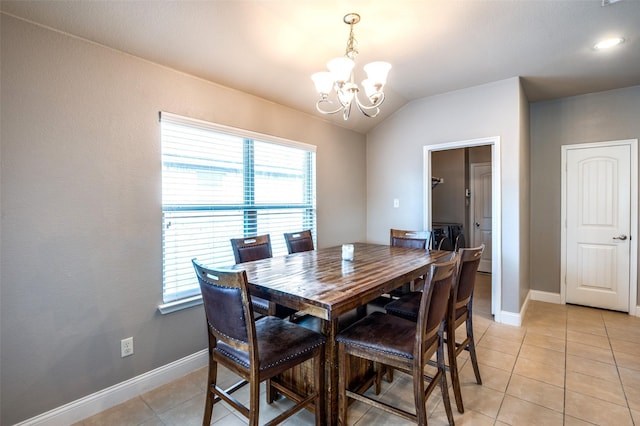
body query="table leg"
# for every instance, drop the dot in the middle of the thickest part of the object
(330, 329)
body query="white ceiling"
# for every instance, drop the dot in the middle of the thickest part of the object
(270, 48)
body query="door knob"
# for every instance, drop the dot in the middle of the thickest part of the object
(477, 225)
(620, 237)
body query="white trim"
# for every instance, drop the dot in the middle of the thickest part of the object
(545, 296)
(509, 318)
(633, 242)
(180, 304)
(514, 319)
(119, 393)
(496, 196)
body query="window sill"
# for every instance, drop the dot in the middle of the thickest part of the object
(179, 305)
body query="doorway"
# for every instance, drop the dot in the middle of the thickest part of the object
(599, 213)
(496, 208)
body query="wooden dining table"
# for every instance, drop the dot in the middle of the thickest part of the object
(320, 284)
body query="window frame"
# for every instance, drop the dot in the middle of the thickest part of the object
(248, 206)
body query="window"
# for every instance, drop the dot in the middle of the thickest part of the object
(220, 183)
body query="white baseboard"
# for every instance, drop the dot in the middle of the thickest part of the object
(515, 319)
(119, 393)
(545, 296)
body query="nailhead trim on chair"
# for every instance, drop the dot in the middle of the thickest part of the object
(225, 335)
(381, 351)
(282, 361)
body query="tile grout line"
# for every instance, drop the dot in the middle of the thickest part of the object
(624, 392)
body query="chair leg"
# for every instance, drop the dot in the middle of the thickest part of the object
(343, 371)
(379, 371)
(443, 383)
(271, 392)
(254, 402)
(453, 364)
(420, 400)
(472, 350)
(211, 384)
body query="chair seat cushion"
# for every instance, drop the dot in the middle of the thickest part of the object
(381, 332)
(279, 342)
(405, 307)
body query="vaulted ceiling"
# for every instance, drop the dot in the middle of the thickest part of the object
(270, 48)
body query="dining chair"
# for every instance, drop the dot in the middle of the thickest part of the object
(256, 350)
(445, 243)
(257, 248)
(409, 239)
(299, 241)
(404, 345)
(460, 310)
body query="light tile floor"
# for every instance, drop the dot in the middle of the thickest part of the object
(566, 365)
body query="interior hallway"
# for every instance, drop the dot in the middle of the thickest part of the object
(566, 365)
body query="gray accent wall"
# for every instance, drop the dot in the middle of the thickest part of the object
(597, 117)
(81, 210)
(395, 167)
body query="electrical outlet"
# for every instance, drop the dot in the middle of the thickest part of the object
(126, 347)
(396, 203)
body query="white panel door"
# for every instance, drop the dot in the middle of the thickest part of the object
(481, 212)
(598, 225)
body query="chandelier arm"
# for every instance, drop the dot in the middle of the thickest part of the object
(347, 111)
(366, 109)
(327, 101)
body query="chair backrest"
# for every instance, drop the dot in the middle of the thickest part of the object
(410, 239)
(445, 243)
(299, 241)
(227, 307)
(434, 302)
(251, 248)
(468, 263)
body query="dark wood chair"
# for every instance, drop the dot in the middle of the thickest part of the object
(409, 239)
(257, 248)
(445, 243)
(403, 345)
(299, 241)
(460, 310)
(412, 239)
(256, 350)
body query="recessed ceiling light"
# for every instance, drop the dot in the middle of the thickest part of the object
(608, 43)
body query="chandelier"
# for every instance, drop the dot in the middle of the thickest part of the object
(341, 79)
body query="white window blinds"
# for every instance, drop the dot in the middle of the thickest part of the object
(220, 183)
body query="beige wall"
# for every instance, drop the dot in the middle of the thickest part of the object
(604, 116)
(81, 214)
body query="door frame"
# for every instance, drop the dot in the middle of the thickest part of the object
(633, 242)
(496, 208)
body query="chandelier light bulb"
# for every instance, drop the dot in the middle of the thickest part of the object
(377, 72)
(323, 81)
